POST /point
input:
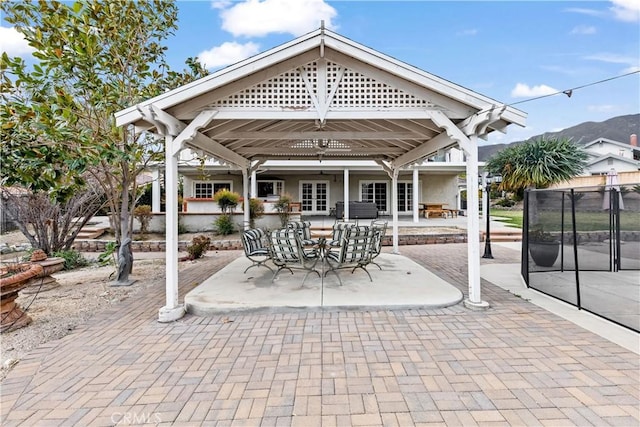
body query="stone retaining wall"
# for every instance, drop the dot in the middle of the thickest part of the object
(216, 245)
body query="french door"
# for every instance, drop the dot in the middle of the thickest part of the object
(314, 197)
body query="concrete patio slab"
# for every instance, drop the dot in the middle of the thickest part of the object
(401, 283)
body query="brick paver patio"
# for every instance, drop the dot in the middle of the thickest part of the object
(514, 364)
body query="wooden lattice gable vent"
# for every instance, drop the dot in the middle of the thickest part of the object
(344, 89)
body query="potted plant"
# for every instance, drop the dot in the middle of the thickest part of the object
(543, 247)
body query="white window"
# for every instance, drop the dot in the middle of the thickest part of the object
(206, 189)
(273, 187)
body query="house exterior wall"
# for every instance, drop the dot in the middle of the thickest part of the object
(432, 188)
(601, 148)
(606, 165)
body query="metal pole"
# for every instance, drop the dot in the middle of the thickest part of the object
(487, 240)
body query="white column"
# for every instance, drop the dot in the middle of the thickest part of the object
(155, 191)
(473, 228)
(172, 310)
(245, 194)
(254, 184)
(394, 209)
(346, 194)
(416, 197)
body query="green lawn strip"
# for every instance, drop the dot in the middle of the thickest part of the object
(511, 218)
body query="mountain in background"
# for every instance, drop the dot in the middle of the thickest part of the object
(617, 129)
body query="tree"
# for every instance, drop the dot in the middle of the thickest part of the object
(48, 224)
(94, 58)
(537, 164)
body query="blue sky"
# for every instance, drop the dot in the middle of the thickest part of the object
(511, 51)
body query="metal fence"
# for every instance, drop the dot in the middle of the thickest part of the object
(583, 246)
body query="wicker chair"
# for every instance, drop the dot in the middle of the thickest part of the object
(256, 248)
(354, 251)
(288, 252)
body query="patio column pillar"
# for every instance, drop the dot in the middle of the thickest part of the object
(172, 310)
(346, 194)
(245, 196)
(254, 184)
(155, 191)
(473, 227)
(416, 197)
(394, 209)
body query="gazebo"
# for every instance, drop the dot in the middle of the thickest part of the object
(320, 97)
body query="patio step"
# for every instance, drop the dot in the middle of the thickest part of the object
(91, 232)
(504, 235)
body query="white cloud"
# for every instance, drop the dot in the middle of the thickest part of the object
(523, 90)
(583, 30)
(589, 12)
(13, 42)
(257, 18)
(633, 63)
(220, 4)
(227, 53)
(601, 108)
(468, 32)
(626, 10)
(612, 58)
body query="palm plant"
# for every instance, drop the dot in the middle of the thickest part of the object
(537, 164)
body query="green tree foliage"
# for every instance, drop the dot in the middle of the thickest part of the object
(94, 58)
(537, 164)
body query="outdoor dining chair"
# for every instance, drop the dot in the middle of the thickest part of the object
(354, 252)
(379, 230)
(256, 248)
(288, 252)
(304, 230)
(339, 231)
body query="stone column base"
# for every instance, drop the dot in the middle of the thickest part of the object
(166, 314)
(482, 305)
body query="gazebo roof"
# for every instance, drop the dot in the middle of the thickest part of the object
(321, 96)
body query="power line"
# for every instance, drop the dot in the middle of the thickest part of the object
(569, 92)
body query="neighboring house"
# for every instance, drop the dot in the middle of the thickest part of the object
(606, 154)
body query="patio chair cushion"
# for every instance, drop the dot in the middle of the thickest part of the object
(254, 243)
(304, 230)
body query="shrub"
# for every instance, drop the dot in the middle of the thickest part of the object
(72, 259)
(505, 202)
(198, 247)
(282, 207)
(224, 225)
(227, 200)
(256, 210)
(143, 214)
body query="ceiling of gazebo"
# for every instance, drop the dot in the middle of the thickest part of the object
(320, 96)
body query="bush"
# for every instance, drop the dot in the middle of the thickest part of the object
(227, 200)
(224, 225)
(505, 202)
(256, 210)
(282, 207)
(143, 214)
(72, 259)
(198, 247)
